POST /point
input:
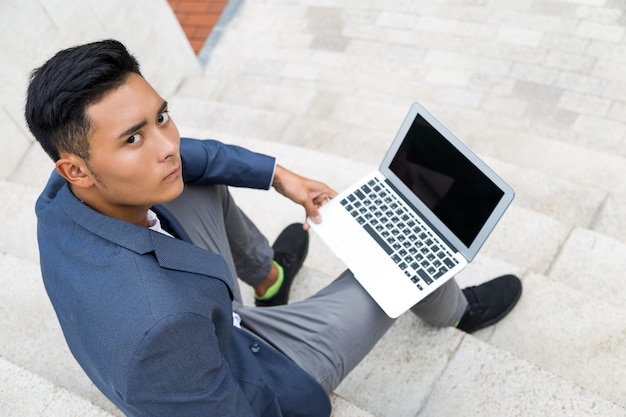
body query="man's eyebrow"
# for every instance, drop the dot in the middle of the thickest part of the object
(141, 124)
(162, 108)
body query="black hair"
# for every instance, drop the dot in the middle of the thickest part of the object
(61, 90)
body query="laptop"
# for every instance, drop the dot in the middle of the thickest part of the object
(407, 228)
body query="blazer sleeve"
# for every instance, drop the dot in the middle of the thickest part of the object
(213, 162)
(178, 370)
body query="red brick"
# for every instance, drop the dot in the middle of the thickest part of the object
(216, 7)
(182, 18)
(204, 19)
(194, 6)
(202, 32)
(197, 18)
(174, 4)
(190, 31)
(197, 44)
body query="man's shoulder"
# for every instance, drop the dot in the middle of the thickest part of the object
(50, 193)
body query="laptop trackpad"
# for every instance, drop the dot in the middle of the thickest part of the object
(393, 292)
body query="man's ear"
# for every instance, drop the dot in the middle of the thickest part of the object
(75, 170)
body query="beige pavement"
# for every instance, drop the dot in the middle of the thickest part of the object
(535, 87)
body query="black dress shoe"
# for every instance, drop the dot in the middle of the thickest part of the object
(490, 302)
(290, 249)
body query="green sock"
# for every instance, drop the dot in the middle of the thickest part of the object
(273, 290)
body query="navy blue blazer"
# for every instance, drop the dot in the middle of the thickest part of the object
(149, 318)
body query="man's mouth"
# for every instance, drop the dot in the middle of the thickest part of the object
(173, 174)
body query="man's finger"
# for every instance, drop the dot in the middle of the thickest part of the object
(312, 212)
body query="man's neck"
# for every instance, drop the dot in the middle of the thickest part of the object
(133, 214)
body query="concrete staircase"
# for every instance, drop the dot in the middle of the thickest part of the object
(534, 87)
(559, 353)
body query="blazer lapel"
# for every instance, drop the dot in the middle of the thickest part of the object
(178, 254)
(175, 254)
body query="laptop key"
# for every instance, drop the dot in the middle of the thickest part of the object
(377, 238)
(449, 263)
(424, 276)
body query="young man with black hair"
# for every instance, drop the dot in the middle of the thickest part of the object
(147, 297)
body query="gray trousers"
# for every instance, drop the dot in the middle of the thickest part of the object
(327, 334)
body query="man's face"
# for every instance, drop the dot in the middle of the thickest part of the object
(134, 158)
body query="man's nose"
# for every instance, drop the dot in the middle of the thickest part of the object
(167, 145)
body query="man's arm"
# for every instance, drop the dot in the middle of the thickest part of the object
(212, 162)
(309, 193)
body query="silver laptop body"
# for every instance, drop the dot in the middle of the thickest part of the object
(407, 228)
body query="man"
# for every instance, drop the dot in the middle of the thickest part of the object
(149, 308)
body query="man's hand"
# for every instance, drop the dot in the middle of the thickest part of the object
(309, 193)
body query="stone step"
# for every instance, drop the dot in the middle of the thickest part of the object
(25, 394)
(417, 370)
(18, 220)
(372, 127)
(31, 337)
(324, 116)
(500, 385)
(569, 182)
(540, 242)
(568, 332)
(551, 81)
(41, 370)
(344, 408)
(316, 118)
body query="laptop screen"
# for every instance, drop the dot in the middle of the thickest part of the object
(460, 191)
(455, 190)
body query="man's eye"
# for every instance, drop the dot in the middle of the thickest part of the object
(134, 138)
(164, 117)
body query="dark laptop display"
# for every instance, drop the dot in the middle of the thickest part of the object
(454, 189)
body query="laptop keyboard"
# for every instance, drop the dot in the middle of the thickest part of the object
(410, 243)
